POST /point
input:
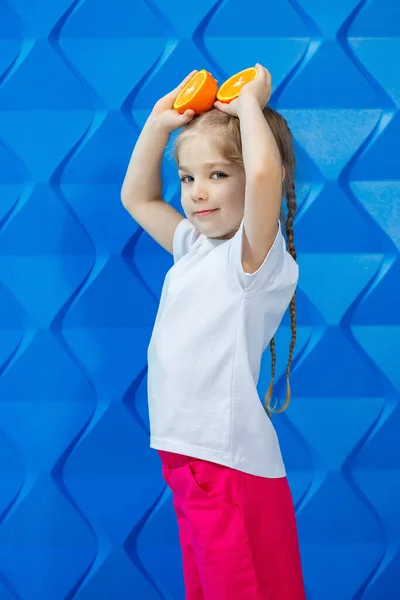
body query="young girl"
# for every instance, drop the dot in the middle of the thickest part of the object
(222, 301)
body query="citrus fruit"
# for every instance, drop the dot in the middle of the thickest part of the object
(230, 89)
(198, 94)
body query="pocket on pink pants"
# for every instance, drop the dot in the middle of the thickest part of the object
(214, 481)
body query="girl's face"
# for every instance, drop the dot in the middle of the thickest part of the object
(209, 182)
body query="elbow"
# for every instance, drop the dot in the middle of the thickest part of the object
(264, 178)
(257, 182)
(125, 197)
(264, 172)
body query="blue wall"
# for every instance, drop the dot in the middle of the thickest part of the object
(84, 512)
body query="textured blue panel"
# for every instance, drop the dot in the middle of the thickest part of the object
(84, 511)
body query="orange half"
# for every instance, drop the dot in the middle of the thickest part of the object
(230, 89)
(198, 94)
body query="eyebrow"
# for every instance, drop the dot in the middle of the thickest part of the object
(208, 165)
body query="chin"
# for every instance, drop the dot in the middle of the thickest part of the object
(223, 236)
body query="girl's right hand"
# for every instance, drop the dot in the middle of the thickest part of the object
(166, 116)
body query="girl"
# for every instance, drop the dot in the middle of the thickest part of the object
(222, 301)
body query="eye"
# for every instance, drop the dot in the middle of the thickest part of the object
(218, 175)
(187, 179)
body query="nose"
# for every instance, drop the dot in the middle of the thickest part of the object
(199, 193)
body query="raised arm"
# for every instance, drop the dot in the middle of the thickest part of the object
(263, 168)
(141, 192)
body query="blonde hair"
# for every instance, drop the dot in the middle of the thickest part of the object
(226, 131)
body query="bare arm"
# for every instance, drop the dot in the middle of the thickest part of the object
(263, 194)
(262, 164)
(141, 192)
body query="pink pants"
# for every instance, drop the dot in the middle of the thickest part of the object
(237, 532)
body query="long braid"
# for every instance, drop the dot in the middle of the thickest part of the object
(291, 203)
(268, 395)
(278, 123)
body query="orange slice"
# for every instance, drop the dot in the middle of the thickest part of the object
(230, 89)
(198, 94)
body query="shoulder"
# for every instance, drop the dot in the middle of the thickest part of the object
(185, 237)
(277, 266)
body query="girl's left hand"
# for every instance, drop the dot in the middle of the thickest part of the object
(260, 88)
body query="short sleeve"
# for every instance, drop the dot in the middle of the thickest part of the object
(278, 264)
(185, 236)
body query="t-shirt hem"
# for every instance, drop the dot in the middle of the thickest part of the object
(271, 471)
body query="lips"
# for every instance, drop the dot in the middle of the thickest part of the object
(206, 212)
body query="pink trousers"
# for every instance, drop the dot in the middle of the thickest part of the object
(237, 532)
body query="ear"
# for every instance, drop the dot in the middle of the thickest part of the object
(283, 173)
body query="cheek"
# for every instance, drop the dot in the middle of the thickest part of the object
(234, 193)
(184, 195)
(186, 201)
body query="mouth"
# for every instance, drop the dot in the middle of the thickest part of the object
(205, 213)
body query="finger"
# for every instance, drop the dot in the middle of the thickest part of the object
(260, 71)
(186, 80)
(186, 117)
(173, 94)
(265, 73)
(222, 106)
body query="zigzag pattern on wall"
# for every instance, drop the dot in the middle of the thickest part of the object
(84, 512)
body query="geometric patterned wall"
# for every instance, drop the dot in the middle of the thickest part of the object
(84, 512)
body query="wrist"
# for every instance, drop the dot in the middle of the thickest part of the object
(246, 103)
(155, 123)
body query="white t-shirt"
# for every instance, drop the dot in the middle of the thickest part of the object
(213, 324)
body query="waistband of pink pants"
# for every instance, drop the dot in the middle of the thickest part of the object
(170, 459)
